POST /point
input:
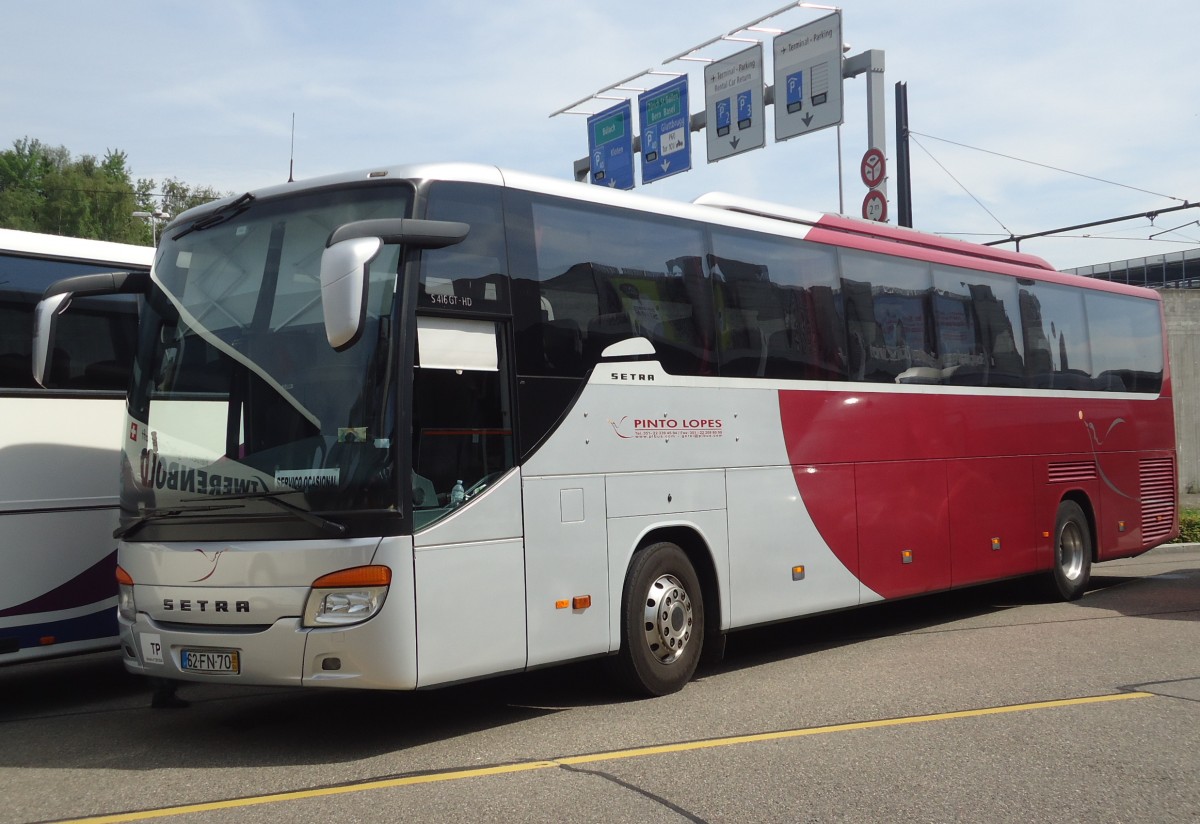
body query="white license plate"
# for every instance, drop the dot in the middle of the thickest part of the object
(217, 661)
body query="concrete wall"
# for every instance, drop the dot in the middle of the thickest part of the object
(1182, 308)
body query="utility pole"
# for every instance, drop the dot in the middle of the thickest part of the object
(903, 168)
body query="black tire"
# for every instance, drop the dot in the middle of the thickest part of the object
(662, 622)
(1072, 553)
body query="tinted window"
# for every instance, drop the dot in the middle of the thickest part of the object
(889, 319)
(595, 276)
(778, 307)
(94, 340)
(471, 276)
(1126, 338)
(1056, 339)
(975, 317)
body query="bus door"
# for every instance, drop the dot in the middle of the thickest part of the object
(469, 565)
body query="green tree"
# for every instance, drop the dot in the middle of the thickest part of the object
(177, 197)
(88, 198)
(45, 189)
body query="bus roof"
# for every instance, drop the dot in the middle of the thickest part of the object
(718, 208)
(869, 228)
(74, 248)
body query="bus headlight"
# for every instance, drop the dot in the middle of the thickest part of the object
(349, 596)
(126, 605)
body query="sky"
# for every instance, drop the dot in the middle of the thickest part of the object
(1102, 96)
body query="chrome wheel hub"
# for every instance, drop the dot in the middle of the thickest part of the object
(668, 619)
(1070, 551)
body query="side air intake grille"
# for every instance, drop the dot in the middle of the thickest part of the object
(1072, 472)
(1158, 490)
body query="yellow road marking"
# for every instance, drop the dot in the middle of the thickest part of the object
(638, 752)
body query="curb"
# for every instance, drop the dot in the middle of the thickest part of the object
(1175, 547)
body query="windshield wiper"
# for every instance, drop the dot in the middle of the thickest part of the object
(217, 216)
(332, 527)
(148, 515)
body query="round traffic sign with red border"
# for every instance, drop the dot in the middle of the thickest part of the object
(874, 206)
(873, 168)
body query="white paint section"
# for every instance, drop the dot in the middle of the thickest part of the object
(770, 533)
(470, 589)
(212, 565)
(665, 493)
(634, 417)
(566, 556)
(60, 452)
(470, 611)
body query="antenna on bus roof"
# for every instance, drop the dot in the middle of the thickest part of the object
(292, 154)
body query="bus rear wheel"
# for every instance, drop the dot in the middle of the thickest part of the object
(662, 622)
(1072, 552)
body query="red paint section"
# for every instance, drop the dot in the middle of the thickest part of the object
(992, 521)
(884, 472)
(903, 536)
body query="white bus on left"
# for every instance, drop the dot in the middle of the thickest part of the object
(58, 448)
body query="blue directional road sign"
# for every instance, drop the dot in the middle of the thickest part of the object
(666, 130)
(610, 146)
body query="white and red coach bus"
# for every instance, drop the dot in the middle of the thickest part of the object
(424, 424)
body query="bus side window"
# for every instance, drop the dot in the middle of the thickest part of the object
(471, 276)
(95, 340)
(777, 302)
(889, 318)
(609, 276)
(974, 315)
(1126, 339)
(1056, 337)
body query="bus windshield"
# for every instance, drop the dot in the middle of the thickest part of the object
(239, 406)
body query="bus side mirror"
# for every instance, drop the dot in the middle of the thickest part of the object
(57, 298)
(345, 266)
(45, 319)
(344, 288)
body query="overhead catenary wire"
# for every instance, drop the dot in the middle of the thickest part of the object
(960, 184)
(1045, 166)
(1060, 232)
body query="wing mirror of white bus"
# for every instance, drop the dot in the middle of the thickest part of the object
(346, 260)
(344, 288)
(57, 299)
(45, 317)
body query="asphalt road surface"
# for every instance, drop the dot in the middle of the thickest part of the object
(980, 705)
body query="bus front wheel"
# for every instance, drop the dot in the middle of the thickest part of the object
(1072, 552)
(662, 622)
